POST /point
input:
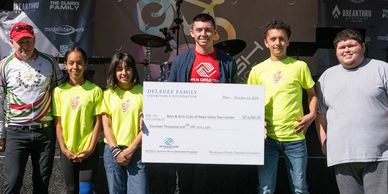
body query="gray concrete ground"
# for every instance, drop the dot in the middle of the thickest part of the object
(57, 183)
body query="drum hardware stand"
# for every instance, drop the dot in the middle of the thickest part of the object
(178, 22)
(167, 37)
(148, 58)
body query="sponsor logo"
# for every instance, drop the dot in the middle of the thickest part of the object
(384, 38)
(336, 12)
(205, 69)
(169, 141)
(26, 7)
(357, 1)
(64, 5)
(385, 13)
(63, 30)
(63, 48)
(353, 15)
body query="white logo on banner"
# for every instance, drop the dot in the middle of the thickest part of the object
(243, 62)
(385, 13)
(354, 15)
(63, 48)
(205, 69)
(63, 30)
(356, 1)
(25, 7)
(336, 12)
(384, 38)
(64, 5)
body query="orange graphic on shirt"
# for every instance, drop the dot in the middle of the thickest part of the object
(277, 77)
(125, 106)
(75, 102)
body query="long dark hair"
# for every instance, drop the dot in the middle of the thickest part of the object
(84, 57)
(117, 60)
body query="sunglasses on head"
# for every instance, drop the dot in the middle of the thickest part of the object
(26, 27)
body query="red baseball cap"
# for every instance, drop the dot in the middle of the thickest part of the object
(21, 30)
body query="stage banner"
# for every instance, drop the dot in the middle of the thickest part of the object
(235, 20)
(203, 123)
(371, 15)
(58, 24)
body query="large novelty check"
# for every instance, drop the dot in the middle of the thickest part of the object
(203, 123)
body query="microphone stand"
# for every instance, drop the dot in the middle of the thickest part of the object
(178, 21)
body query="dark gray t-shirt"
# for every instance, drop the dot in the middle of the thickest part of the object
(356, 106)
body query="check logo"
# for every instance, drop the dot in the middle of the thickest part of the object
(205, 69)
(168, 141)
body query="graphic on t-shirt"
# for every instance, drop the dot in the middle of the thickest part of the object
(205, 69)
(29, 79)
(277, 77)
(125, 106)
(75, 102)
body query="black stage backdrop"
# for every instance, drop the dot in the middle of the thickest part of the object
(369, 15)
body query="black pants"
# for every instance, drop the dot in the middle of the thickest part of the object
(214, 178)
(191, 179)
(76, 172)
(22, 143)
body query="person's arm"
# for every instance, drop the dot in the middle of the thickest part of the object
(2, 145)
(306, 120)
(172, 76)
(110, 138)
(321, 127)
(58, 125)
(106, 123)
(2, 114)
(128, 152)
(2, 124)
(96, 131)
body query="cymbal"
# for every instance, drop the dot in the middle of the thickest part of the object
(148, 40)
(232, 47)
(145, 62)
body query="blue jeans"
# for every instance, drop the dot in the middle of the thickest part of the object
(295, 154)
(22, 143)
(125, 179)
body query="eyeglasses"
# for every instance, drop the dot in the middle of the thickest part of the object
(26, 27)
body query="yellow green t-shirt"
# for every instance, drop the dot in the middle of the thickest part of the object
(124, 107)
(77, 106)
(283, 82)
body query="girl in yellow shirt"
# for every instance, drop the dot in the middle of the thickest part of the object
(76, 106)
(122, 106)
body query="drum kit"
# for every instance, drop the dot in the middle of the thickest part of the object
(231, 47)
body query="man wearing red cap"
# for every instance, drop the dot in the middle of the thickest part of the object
(26, 129)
